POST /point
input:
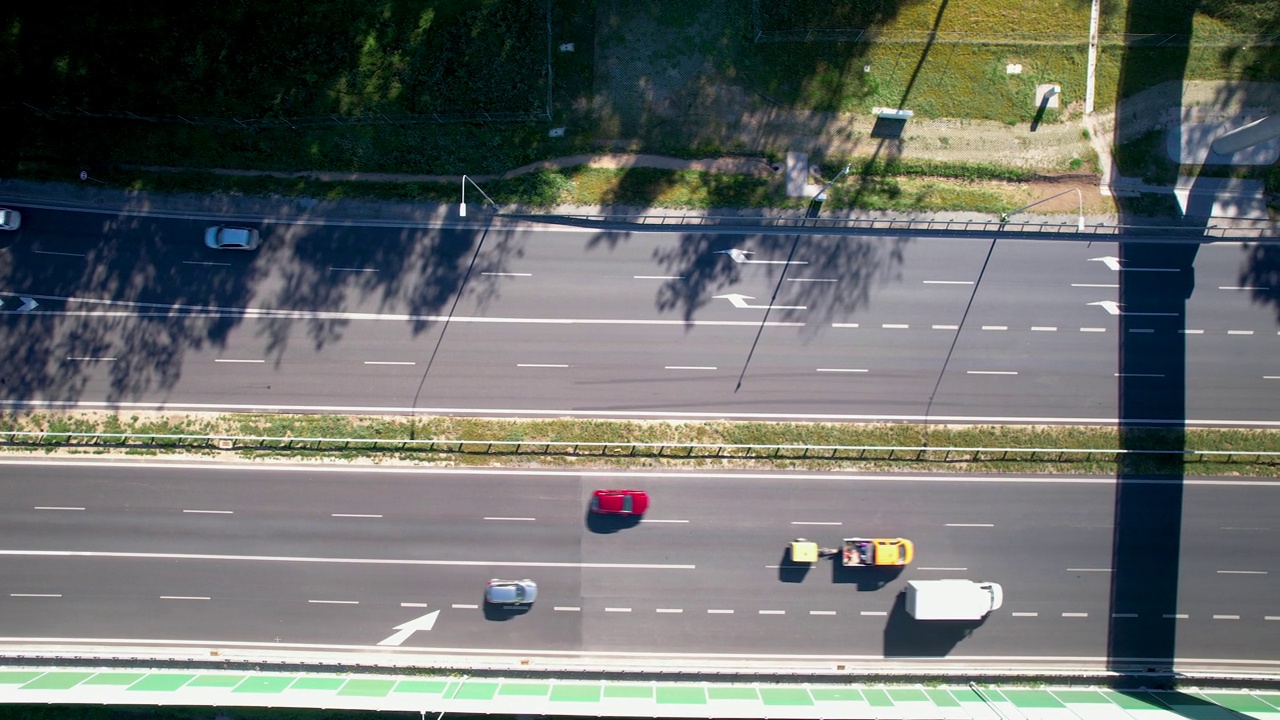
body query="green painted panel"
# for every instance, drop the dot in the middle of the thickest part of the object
(941, 698)
(1032, 699)
(263, 684)
(628, 691)
(877, 697)
(317, 683)
(994, 695)
(1135, 700)
(421, 686)
(475, 691)
(57, 681)
(222, 681)
(161, 682)
(536, 689)
(1081, 697)
(966, 695)
(1240, 702)
(114, 678)
(907, 695)
(836, 694)
(681, 695)
(785, 696)
(575, 693)
(18, 677)
(367, 688)
(1270, 698)
(732, 693)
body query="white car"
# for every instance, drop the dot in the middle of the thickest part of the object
(221, 237)
(511, 592)
(10, 219)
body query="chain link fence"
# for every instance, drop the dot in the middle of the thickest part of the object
(301, 122)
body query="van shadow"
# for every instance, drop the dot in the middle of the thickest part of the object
(790, 571)
(904, 636)
(867, 579)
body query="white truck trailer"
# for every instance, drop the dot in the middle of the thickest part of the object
(952, 599)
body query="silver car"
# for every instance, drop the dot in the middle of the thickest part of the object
(511, 592)
(10, 219)
(221, 237)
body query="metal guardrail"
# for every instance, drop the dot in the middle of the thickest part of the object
(625, 449)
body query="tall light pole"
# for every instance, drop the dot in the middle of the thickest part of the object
(462, 207)
(822, 194)
(1079, 218)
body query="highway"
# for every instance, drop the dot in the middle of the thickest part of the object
(132, 310)
(164, 553)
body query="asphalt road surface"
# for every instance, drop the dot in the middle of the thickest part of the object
(135, 311)
(342, 557)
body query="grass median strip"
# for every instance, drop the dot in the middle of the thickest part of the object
(460, 441)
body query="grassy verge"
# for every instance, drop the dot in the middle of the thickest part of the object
(381, 439)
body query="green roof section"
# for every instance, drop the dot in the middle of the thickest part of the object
(367, 688)
(681, 695)
(576, 693)
(628, 691)
(528, 689)
(217, 681)
(114, 678)
(161, 683)
(317, 683)
(432, 687)
(1032, 699)
(57, 681)
(732, 693)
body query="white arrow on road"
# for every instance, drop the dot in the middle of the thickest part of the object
(424, 623)
(28, 305)
(740, 256)
(740, 301)
(1113, 263)
(1113, 307)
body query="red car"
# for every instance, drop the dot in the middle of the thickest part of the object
(620, 502)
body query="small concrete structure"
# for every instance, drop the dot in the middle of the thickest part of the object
(1048, 95)
(1221, 198)
(798, 175)
(891, 113)
(1192, 144)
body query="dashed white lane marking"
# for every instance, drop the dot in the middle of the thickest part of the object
(514, 519)
(822, 612)
(1142, 330)
(507, 274)
(355, 515)
(689, 367)
(90, 359)
(235, 360)
(657, 277)
(844, 325)
(995, 327)
(388, 362)
(353, 269)
(1239, 332)
(1095, 285)
(51, 252)
(464, 606)
(773, 612)
(1092, 329)
(947, 282)
(1175, 616)
(1241, 287)
(1075, 615)
(1245, 528)
(813, 522)
(210, 512)
(185, 597)
(413, 604)
(1265, 617)
(1271, 377)
(55, 507)
(812, 280)
(198, 262)
(1026, 614)
(670, 610)
(334, 602)
(1043, 328)
(567, 608)
(1089, 570)
(894, 326)
(1242, 572)
(541, 365)
(944, 569)
(1139, 375)
(609, 609)
(840, 370)
(43, 595)
(655, 520)
(970, 525)
(1124, 615)
(1226, 617)
(946, 327)
(719, 612)
(1192, 332)
(992, 372)
(873, 612)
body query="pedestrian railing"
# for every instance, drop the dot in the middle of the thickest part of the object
(677, 451)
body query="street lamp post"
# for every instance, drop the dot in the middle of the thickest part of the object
(822, 194)
(462, 207)
(1079, 218)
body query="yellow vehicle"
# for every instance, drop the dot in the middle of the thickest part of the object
(806, 551)
(860, 552)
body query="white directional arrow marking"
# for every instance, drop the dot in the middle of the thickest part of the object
(424, 623)
(1113, 307)
(28, 305)
(1113, 263)
(740, 256)
(740, 301)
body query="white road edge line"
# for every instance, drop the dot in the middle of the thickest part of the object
(813, 522)
(992, 372)
(654, 520)
(337, 560)
(36, 595)
(355, 515)
(233, 360)
(1242, 572)
(947, 282)
(970, 525)
(514, 519)
(388, 362)
(1103, 570)
(841, 370)
(689, 367)
(540, 365)
(210, 512)
(185, 597)
(657, 277)
(334, 602)
(55, 507)
(507, 274)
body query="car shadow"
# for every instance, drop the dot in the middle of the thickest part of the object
(604, 524)
(867, 579)
(790, 571)
(499, 613)
(904, 636)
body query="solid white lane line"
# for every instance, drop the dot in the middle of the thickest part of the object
(719, 612)
(567, 608)
(388, 362)
(353, 269)
(507, 274)
(946, 327)
(654, 520)
(1239, 332)
(840, 370)
(210, 512)
(51, 252)
(233, 360)
(894, 326)
(517, 519)
(873, 613)
(199, 262)
(1096, 285)
(1075, 614)
(1241, 287)
(689, 367)
(464, 606)
(55, 507)
(811, 280)
(813, 522)
(1245, 528)
(822, 612)
(1226, 617)
(992, 372)
(337, 561)
(355, 515)
(658, 277)
(91, 359)
(670, 610)
(34, 595)
(944, 569)
(1026, 614)
(1139, 375)
(1271, 617)
(334, 602)
(1271, 377)
(1124, 615)
(609, 609)
(995, 327)
(1242, 572)
(541, 365)
(413, 604)
(947, 282)
(970, 524)
(772, 612)
(1175, 616)
(1090, 570)
(1043, 328)
(1095, 330)
(184, 597)
(1192, 332)
(844, 325)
